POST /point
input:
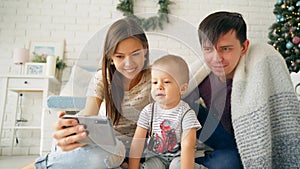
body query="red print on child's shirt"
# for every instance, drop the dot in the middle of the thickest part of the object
(166, 141)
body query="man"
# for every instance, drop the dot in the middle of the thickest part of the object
(249, 102)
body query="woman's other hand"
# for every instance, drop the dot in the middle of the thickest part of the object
(67, 132)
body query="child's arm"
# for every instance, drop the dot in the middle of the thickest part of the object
(188, 142)
(137, 147)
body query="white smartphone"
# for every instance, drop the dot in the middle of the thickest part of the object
(100, 130)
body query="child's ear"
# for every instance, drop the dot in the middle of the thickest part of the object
(183, 88)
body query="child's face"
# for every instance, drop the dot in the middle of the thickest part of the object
(164, 89)
(224, 57)
(129, 57)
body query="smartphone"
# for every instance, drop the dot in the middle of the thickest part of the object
(100, 130)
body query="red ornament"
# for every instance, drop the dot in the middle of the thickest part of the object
(296, 40)
(292, 29)
(292, 63)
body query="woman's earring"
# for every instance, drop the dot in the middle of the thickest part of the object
(111, 63)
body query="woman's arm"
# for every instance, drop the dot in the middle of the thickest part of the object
(64, 129)
(92, 106)
(188, 142)
(137, 147)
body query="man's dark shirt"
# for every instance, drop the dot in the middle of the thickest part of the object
(218, 94)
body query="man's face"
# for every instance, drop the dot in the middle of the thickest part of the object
(223, 58)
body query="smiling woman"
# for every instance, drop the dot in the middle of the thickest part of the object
(126, 6)
(129, 61)
(125, 61)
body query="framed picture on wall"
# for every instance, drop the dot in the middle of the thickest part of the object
(43, 48)
(35, 68)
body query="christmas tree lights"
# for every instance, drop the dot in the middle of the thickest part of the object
(284, 34)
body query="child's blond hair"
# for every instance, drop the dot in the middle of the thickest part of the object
(174, 66)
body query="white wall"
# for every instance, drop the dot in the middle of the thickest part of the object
(77, 21)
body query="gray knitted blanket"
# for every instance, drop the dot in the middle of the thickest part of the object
(265, 111)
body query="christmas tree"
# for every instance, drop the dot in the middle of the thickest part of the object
(284, 34)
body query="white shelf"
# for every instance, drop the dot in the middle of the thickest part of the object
(23, 127)
(46, 85)
(25, 90)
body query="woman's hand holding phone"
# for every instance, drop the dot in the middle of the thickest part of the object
(67, 132)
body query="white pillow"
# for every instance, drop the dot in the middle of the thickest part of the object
(78, 82)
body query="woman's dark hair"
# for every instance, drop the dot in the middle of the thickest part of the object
(112, 79)
(220, 23)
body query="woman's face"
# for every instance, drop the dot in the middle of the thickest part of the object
(129, 57)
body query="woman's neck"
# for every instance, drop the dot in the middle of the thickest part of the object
(130, 83)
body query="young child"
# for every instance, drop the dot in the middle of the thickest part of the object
(169, 121)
